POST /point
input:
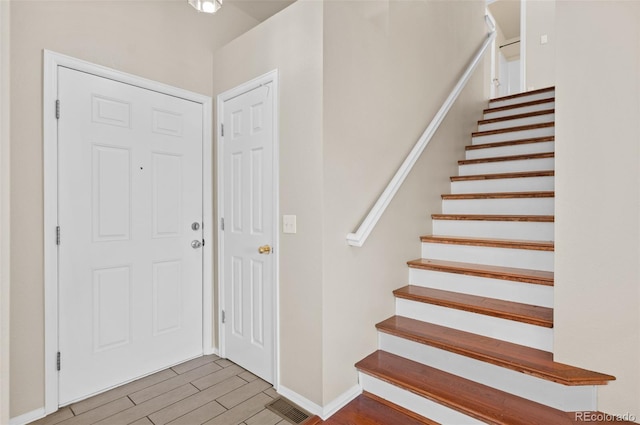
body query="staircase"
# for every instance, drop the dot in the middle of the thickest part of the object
(472, 338)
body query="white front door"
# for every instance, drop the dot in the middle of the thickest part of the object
(130, 206)
(249, 234)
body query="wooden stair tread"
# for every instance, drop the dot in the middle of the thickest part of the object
(496, 243)
(512, 356)
(490, 217)
(499, 195)
(518, 105)
(513, 129)
(537, 277)
(523, 94)
(518, 116)
(511, 143)
(369, 409)
(508, 158)
(470, 398)
(526, 174)
(518, 312)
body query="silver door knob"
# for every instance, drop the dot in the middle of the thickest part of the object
(196, 244)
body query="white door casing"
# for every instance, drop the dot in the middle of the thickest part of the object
(248, 204)
(152, 290)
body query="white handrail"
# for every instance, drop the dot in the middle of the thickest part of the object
(360, 236)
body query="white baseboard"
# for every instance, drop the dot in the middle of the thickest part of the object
(301, 401)
(341, 401)
(313, 408)
(211, 350)
(28, 417)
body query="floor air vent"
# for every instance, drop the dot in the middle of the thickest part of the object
(288, 411)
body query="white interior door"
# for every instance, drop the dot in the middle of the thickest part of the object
(248, 213)
(514, 76)
(503, 89)
(130, 188)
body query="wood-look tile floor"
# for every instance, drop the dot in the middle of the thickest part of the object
(207, 390)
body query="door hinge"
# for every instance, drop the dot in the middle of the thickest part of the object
(224, 317)
(222, 223)
(57, 109)
(58, 361)
(57, 235)
(222, 130)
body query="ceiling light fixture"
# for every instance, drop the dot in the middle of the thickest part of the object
(207, 6)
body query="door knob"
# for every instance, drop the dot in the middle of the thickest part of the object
(264, 249)
(196, 244)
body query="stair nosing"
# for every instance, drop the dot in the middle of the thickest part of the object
(536, 277)
(498, 195)
(492, 217)
(517, 116)
(486, 306)
(518, 105)
(490, 242)
(420, 379)
(522, 157)
(498, 176)
(492, 351)
(532, 140)
(513, 129)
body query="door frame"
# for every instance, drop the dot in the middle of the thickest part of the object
(52, 61)
(523, 46)
(269, 77)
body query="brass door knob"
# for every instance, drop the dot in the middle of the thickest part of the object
(264, 249)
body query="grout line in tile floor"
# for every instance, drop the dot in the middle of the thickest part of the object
(206, 390)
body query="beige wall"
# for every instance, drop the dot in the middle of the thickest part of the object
(346, 123)
(4, 211)
(540, 58)
(385, 76)
(597, 292)
(291, 41)
(165, 41)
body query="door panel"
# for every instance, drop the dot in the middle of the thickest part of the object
(130, 186)
(249, 209)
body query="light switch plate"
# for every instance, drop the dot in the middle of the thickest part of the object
(543, 39)
(289, 224)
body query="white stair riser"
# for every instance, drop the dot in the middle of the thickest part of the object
(520, 184)
(414, 402)
(522, 99)
(513, 135)
(562, 397)
(517, 111)
(497, 167)
(494, 327)
(503, 257)
(517, 206)
(516, 122)
(523, 149)
(527, 230)
(519, 292)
